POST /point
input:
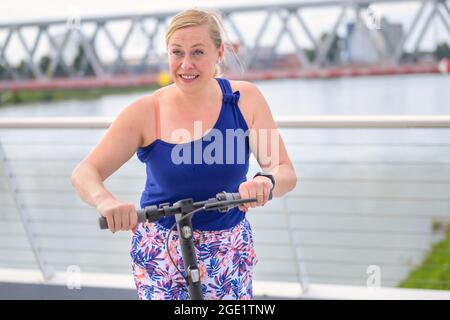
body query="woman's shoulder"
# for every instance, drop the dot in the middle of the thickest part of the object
(243, 86)
(148, 102)
(162, 94)
(250, 95)
(142, 114)
(247, 102)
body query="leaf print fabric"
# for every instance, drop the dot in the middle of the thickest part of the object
(226, 260)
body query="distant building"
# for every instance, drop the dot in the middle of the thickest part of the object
(264, 58)
(288, 61)
(268, 58)
(366, 45)
(392, 34)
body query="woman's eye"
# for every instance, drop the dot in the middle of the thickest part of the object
(177, 52)
(198, 52)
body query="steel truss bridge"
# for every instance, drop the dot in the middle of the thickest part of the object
(102, 48)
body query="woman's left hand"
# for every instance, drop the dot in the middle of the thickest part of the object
(259, 188)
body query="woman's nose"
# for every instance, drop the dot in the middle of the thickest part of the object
(187, 63)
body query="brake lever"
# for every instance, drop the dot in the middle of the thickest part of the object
(224, 206)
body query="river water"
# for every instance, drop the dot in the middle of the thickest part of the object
(393, 95)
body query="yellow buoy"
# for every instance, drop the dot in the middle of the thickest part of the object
(163, 79)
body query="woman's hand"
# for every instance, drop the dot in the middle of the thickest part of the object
(119, 215)
(259, 188)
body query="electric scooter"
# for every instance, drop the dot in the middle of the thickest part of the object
(183, 210)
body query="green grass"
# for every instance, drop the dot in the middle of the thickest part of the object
(434, 272)
(22, 97)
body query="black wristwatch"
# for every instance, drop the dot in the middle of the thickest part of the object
(267, 175)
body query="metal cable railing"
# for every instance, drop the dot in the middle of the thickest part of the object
(382, 200)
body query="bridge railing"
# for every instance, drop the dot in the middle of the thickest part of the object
(371, 205)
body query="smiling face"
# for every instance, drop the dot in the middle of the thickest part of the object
(192, 57)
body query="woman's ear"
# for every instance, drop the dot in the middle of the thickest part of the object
(221, 52)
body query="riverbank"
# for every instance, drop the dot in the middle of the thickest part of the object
(434, 272)
(8, 98)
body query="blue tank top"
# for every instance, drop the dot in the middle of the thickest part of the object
(201, 168)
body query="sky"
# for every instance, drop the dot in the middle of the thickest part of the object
(18, 10)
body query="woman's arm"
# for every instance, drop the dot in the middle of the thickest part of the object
(116, 147)
(267, 145)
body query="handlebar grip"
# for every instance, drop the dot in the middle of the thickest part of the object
(141, 217)
(103, 223)
(237, 196)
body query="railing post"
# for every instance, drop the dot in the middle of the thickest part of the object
(24, 215)
(300, 267)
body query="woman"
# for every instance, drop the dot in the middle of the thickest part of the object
(182, 133)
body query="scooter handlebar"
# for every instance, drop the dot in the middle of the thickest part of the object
(153, 213)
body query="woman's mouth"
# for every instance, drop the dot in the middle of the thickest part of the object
(188, 77)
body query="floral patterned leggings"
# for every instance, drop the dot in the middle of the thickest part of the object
(226, 260)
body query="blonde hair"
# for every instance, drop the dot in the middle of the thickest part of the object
(197, 17)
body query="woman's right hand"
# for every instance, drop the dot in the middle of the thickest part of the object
(120, 216)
